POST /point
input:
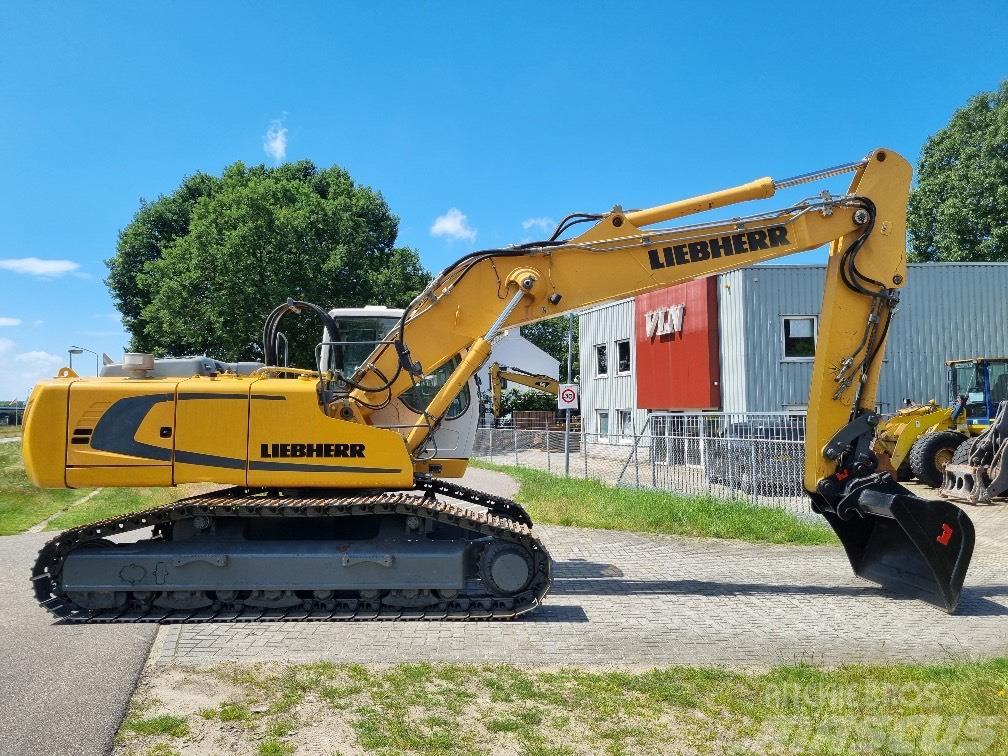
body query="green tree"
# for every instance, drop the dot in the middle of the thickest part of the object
(513, 400)
(197, 272)
(959, 208)
(551, 336)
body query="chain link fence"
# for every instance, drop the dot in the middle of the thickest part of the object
(754, 457)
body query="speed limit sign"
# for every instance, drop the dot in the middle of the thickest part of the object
(567, 396)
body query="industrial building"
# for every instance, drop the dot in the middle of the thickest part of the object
(744, 341)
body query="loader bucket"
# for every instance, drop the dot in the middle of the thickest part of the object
(968, 483)
(913, 547)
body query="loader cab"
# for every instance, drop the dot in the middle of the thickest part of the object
(984, 383)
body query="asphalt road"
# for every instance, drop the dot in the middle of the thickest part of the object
(63, 688)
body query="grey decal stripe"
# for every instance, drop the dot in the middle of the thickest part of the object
(208, 460)
(212, 460)
(294, 467)
(189, 396)
(116, 428)
(212, 396)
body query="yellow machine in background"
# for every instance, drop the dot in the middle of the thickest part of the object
(501, 374)
(920, 441)
(336, 472)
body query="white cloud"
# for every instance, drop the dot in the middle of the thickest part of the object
(275, 141)
(33, 266)
(24, 370)
(546, 224)
(454, 225)
(9, 322)
(38, 358)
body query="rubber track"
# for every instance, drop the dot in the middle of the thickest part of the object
(235, 503)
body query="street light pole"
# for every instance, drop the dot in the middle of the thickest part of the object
(80, 350)
(570, 342)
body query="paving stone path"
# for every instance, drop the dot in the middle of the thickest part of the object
(623, 600)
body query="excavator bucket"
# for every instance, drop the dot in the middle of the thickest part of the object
(912, 547)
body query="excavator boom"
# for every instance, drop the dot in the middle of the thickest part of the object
(501, 374)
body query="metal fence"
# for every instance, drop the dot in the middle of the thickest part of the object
(750, 457)
(11, 414)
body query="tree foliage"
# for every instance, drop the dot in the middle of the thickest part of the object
(513, 400)
(551, 336)
(959, 208)
(197, 271)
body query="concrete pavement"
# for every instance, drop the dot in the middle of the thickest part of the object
(633, 601)
(63, 688)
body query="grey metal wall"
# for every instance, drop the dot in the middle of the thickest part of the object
(607, 324)
(947, 310)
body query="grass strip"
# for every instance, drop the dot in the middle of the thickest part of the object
(22, 505)
(590, 504)
(469, 709)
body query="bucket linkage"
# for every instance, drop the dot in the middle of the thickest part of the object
(912, 547)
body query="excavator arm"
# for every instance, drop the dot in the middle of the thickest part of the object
(915, 546)
(501, 374)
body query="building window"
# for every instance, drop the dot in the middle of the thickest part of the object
(799, 337)
(602, 425)
(624, 426)
(601, 360)
(623, 356)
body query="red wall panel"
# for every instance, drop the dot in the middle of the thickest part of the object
(679, 370)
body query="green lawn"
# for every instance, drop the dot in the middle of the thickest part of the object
(22, 505)
(590, 504)
(462, 709)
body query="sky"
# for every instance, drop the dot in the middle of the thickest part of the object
(480, 124)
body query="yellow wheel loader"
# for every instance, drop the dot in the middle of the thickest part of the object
(920, 441)
(339, 499)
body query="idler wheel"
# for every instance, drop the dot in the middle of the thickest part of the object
(506, 568)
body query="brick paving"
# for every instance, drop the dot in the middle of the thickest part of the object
(623, 600)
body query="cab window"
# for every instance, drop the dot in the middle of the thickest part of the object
(418, 397)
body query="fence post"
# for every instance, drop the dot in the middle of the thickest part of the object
(549, 457)
(636, 459)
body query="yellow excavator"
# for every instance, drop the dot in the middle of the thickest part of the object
(501, 374)
(340, 502)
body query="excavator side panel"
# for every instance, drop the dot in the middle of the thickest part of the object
(292, 443)
(211, 436)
